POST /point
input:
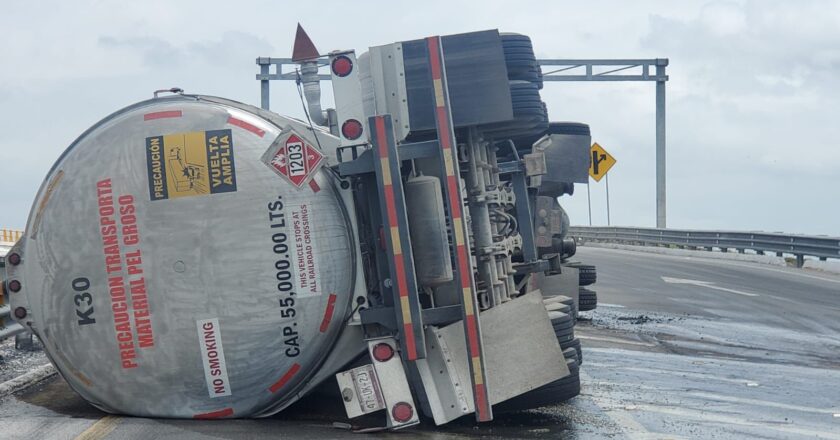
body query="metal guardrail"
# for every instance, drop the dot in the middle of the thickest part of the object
(10, 236)
(762, 243)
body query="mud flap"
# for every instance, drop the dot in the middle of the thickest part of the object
(522, 354)
(564, 283)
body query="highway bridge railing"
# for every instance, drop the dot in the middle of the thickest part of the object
(762, 243)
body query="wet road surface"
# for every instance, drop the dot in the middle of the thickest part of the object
(678, 348)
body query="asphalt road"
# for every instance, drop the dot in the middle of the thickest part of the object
(678, 348)
(707, 348)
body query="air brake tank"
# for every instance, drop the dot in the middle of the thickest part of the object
(171, 272)
(427, 225)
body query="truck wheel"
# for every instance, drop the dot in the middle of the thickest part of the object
(587, 274)
(552, 393)
(558, 299)
(558, 306)
(571, 354)
(564, 327)
(564, 330)
(571, 303)
(574, 343)
(587, 300)
(562, 300)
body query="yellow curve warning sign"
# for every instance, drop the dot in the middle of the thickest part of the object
(600, 162)
(190, 164)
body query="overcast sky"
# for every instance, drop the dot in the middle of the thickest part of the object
(753, 109)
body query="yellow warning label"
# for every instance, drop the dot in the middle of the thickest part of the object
(190, 164)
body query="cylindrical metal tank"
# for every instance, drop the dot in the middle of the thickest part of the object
(170, 272)
(427, 226)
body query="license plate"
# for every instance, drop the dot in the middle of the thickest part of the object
(368, 393)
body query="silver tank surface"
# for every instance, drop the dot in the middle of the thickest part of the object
(172, 271)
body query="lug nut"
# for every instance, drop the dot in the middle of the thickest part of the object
(14, 286)
(13, 259)
(20, 313)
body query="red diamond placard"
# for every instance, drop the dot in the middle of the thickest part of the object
(296, 160)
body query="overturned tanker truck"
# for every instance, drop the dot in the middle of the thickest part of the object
(195, 257)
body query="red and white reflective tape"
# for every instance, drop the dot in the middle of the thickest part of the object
(163, 115)
(227, 412)
(442, 117)
(246, 126)
(328, 313)
(314, 185)
(396, 243)
(285, 378)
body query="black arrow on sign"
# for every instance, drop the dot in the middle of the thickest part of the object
(596, 160)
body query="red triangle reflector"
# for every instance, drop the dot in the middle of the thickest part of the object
(304, 49)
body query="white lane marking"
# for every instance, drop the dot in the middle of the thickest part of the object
(707, 284)
(756, 402)
(721, 262)
(615, 340)
(618, 306)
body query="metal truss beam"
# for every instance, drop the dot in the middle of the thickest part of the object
(553, 70)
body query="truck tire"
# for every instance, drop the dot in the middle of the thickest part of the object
(571, 303)
(575, 343)
(566, 301)
(530, 117)
(563, 300)
(564, 327)
(558, 306)
(588, 300)
(571, 353)
(587, 274)
(520, 59)
(564, 330)
(552, 393)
